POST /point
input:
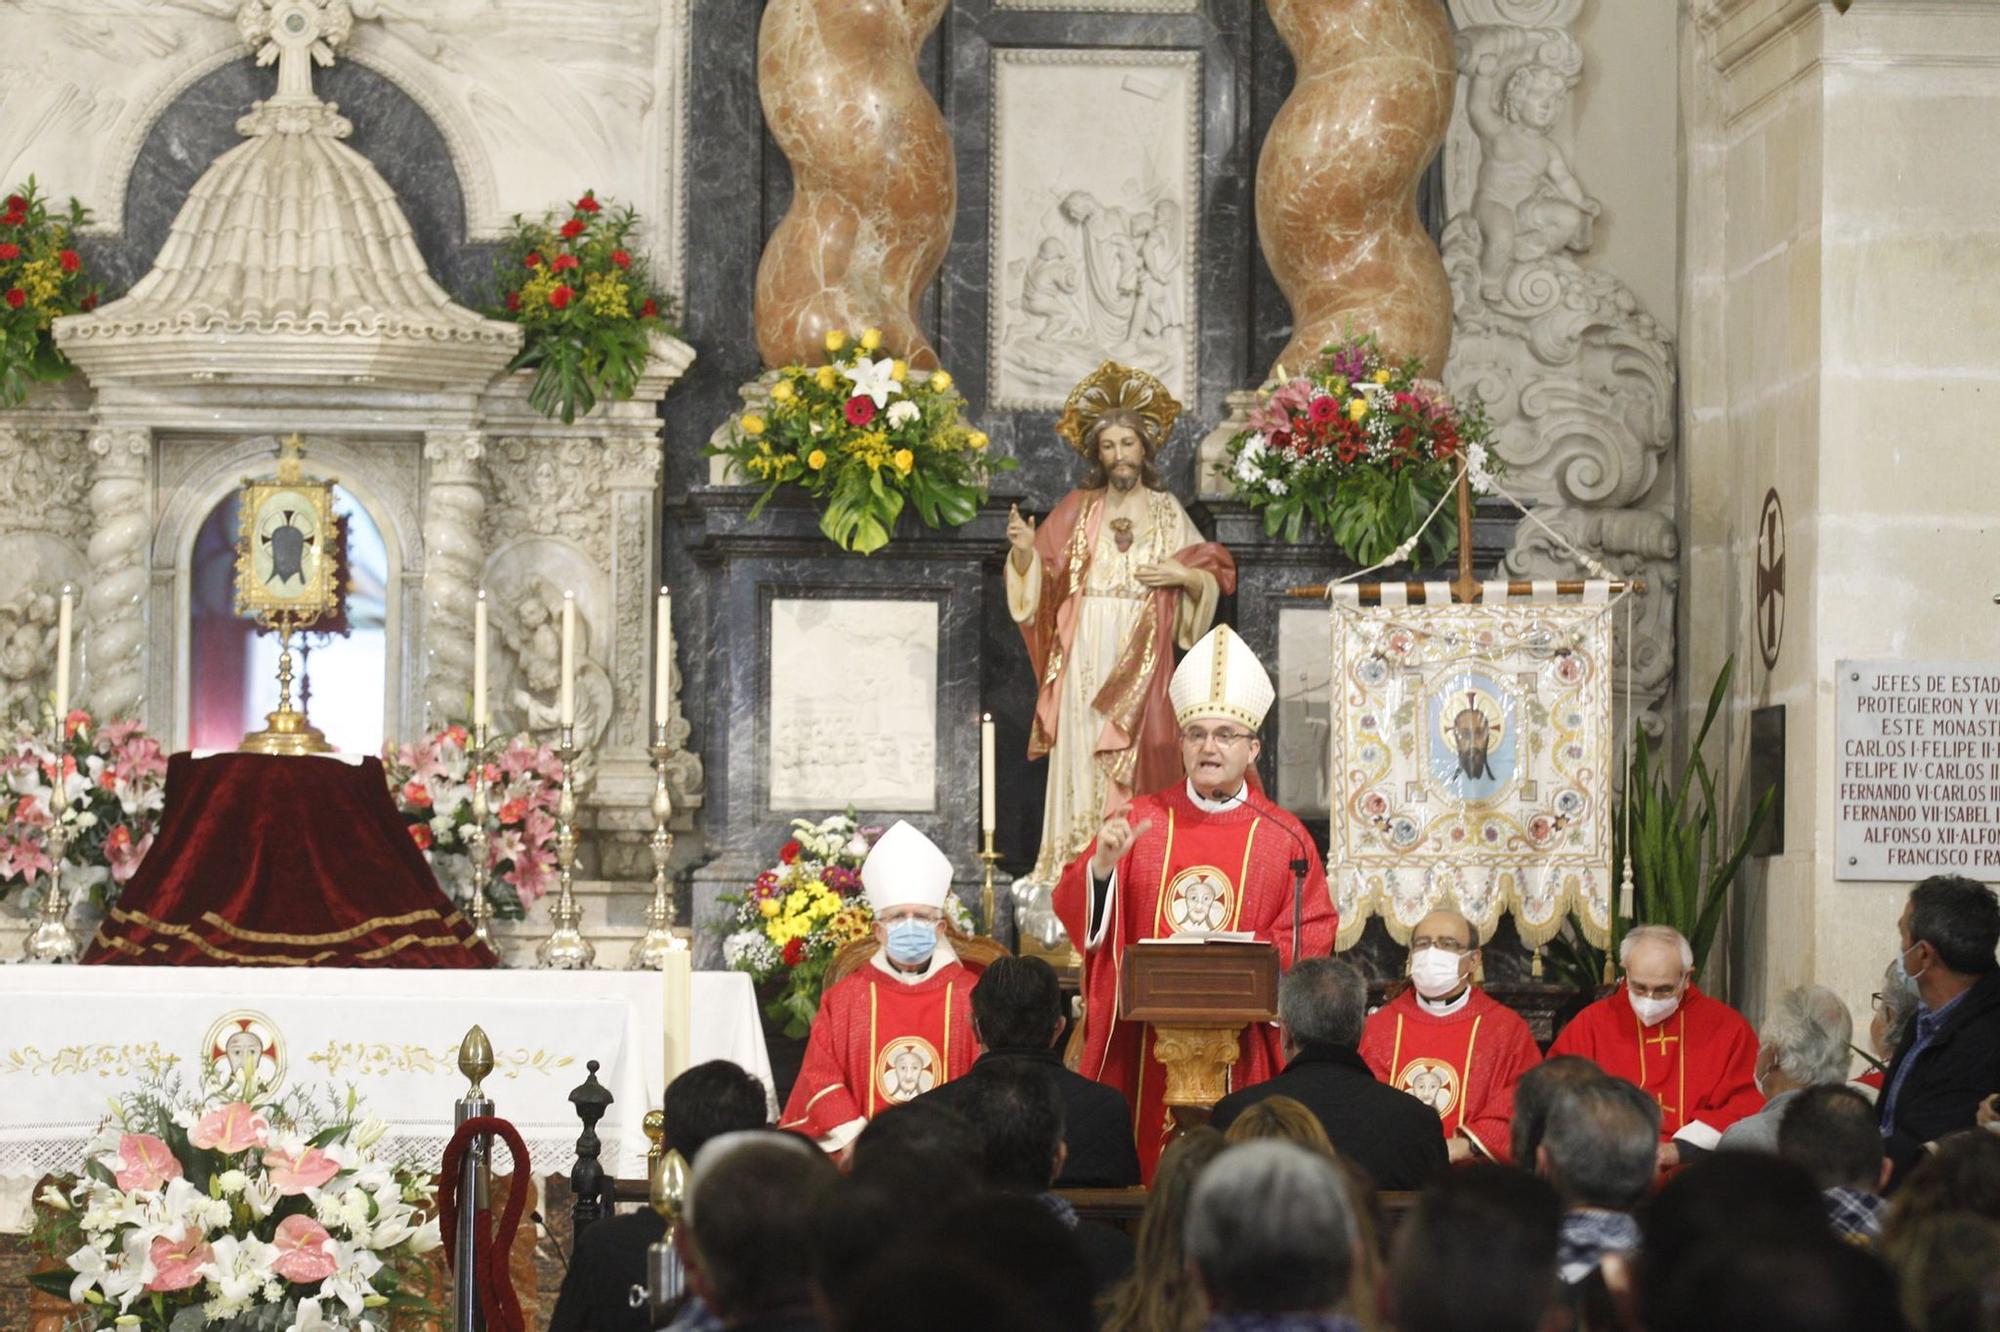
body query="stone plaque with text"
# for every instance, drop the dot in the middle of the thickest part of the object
(1919, 770)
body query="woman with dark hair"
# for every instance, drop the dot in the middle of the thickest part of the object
(1161, 1295)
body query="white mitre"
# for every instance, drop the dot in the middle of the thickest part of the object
(905, 868)
(1221, 677)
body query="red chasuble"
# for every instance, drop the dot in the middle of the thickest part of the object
(1192, 871)
(1463, 1065)
(877, 1042)
(1699, 1064)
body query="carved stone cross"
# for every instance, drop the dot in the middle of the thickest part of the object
(295, 33)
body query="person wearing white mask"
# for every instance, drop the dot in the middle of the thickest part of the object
(1445, 1035)
(1694, 1055)
(900, 1025)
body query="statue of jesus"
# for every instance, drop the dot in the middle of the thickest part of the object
(1103, 590)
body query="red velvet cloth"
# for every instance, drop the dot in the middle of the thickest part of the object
(291, 862)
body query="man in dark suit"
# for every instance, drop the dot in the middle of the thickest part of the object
(1949, 1058)
(1017, 1015)
(1322, 1006)
(705, 1102)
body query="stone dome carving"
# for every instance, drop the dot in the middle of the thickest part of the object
(291, 260)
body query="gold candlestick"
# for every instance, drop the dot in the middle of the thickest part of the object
(51, 939)
(987, 904)
(481, 910)
(566, 949)
(649, 953)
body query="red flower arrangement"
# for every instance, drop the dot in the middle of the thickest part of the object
(585, 303)
(41, 279)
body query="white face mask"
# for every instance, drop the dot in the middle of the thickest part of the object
(1435, 972)
(1652, 1012)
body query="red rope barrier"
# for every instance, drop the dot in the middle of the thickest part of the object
(492, 1280)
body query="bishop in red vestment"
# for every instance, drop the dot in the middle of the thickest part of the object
(900, 1025)
(1208, 855)
(1450, 1044)
(1694, 1055)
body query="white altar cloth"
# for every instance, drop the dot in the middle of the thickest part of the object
(74, 1037)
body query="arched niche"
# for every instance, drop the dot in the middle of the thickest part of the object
(380, 485)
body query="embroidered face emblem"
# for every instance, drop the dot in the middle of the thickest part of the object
(1198, 900)
(240, 1042)
(908, 1068)
(1433, 1083)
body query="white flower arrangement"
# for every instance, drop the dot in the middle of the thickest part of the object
(230, 1212)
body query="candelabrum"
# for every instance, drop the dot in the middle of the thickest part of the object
(649, 953)
(566, 949)
(51, 940)
(987, 902)
(481, 910)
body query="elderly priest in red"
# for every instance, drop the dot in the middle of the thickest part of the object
(1694, 1055)
(1451, 1045)
(900, 1025)
(1209, 854)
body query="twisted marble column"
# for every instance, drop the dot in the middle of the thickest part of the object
(875, 185)
(115, 602)
(1337, 177)
(454, 504)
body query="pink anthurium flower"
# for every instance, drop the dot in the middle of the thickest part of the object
(145, 1162)
(305, 1251)
(177, 1263)
(230, 1129)
(291, 1175)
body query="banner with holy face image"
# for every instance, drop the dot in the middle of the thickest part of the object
(1472, 762)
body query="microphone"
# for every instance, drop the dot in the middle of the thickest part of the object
(1300, 863)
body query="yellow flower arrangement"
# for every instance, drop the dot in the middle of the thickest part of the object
(865, 438)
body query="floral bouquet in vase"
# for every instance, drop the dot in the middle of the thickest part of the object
(586, 304)
(1361, 447)
(863, 434)
(432, 785)
(804, 910)
(41, 277)
(114, 786)
(227, 1211)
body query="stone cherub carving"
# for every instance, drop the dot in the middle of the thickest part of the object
(534, 633)
(27, 647)
(1528, 203)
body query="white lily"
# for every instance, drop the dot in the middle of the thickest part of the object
(873, 379)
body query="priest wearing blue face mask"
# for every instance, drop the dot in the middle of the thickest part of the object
(1949, 1057)
(900, 1025)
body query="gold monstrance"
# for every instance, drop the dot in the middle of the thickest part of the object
(285, 567)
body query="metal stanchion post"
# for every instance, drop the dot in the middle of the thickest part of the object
(475, 1060)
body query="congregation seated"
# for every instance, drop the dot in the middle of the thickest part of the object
(701, 1104)
(1598, 1149)
(1949, 1058)
(1829, 1131)
(1322, 1005)
(748, 1220)
(1018, 1114)
(1478, 1252)
(1162, 1295)
(1270, 1235)
(1693, 1054)
(1018, 1019)
(1804, 1042)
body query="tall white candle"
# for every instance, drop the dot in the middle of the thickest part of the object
(663, 666)
(568, 699)
(988, 790)
(63, 617)
(479, 660)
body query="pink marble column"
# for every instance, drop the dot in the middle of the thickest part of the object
(1337, 177)
(875, 183)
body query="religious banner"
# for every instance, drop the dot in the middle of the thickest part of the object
(1472, 761)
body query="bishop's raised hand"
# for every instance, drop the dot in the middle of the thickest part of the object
(1114, 839)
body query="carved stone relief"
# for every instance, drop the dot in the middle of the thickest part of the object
(1095, 219)
(1576, 376)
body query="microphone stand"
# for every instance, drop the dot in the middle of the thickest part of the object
(1299, 865)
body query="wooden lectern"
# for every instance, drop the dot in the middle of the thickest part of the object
(1198, 998)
